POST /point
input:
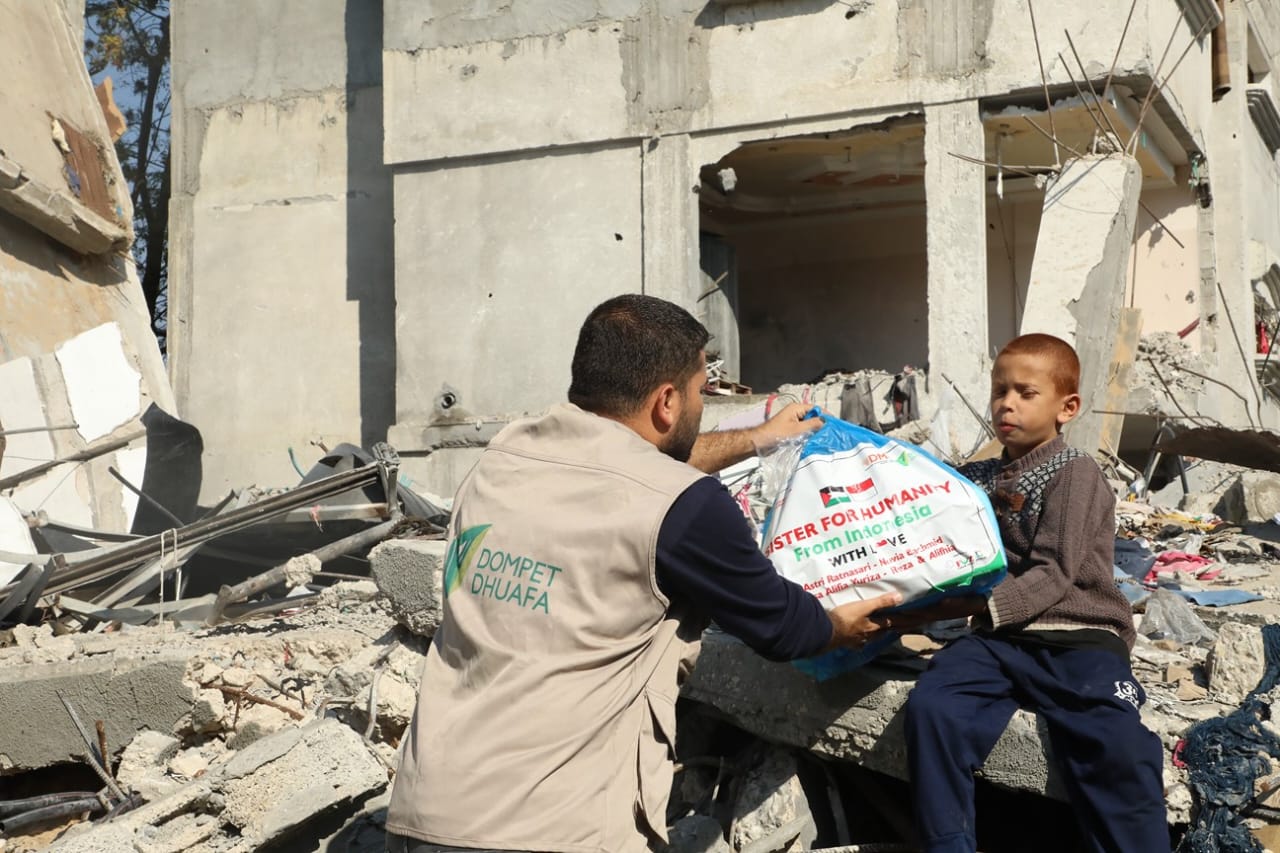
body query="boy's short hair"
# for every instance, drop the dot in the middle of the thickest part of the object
(1064, 364)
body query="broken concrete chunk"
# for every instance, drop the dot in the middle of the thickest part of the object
(188, 764)
(396, 702)
(256, 722)
(1236, 662)
(284, 780)
(409, 574)
(235, 676)
(300, 570)
(1189, 691)
(208, 712)
(772, 812)
(259, 796)
(129, 694)
(142, 764)
(209, 673)
(1253, 497)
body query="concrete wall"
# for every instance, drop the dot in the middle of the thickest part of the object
(282, 254)
(495, 315)
(465, 91)
(832, 295)
(76, 345)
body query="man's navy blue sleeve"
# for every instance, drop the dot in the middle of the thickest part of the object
(707, 556)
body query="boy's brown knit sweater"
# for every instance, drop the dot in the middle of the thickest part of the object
(1057, 518)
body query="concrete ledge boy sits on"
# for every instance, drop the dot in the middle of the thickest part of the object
(1054, 637)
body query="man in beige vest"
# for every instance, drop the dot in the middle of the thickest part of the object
(586, 556)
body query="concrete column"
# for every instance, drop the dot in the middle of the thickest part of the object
(670, 209)
(956, 201)
(1227, 300)
(1078, 276)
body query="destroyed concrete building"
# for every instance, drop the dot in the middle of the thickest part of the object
(446, 191)
(389, 219)
(79, 362)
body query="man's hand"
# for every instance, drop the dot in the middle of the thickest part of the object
(788, 423)
(715, 450)
(852, 624)
(908, 621)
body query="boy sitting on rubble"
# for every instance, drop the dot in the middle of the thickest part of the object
(1054, 637)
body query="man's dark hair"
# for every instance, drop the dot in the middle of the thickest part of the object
(628, 346)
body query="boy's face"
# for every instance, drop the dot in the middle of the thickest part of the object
(1027, 409)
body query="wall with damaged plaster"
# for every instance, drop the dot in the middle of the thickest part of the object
(466, 92)
(546, 156)
(820, 297)
(76, 347)
(282, 306)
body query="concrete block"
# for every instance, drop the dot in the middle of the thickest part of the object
(261, 795)
(284, 780)
(208, 711)
(1236, 662)
(1253, 497)
(855, 717)
(409, 574)
(128, 694)
(189, 764)
(143, 763)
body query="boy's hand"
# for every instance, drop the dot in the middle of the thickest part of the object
(787, 423)
(949, 608)
(851, 624)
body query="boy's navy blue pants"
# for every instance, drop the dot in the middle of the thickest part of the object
(1111, 764)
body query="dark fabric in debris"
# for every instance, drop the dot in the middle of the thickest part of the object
(1225, 756)
(857, 406)
(1134, 558)
(173, 473)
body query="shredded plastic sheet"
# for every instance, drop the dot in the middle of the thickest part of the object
(1225, 756)
(856, 514)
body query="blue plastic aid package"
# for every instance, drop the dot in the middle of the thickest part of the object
(862, 514)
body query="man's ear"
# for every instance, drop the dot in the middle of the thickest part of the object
(664, 406)
(1070, 408)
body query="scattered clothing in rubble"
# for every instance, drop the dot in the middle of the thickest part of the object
(1172, 562)
(1134, 558)
(905, 396)
(857, 405)
(1218, 597)
(1225, 756)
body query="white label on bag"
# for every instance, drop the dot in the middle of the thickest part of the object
(855, 524)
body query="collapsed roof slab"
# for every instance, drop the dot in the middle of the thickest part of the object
(856, 717)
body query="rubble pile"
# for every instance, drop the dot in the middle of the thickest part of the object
(265, 726)
(1167, 374)
(222, 738)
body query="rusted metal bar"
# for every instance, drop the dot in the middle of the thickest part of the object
(102, 746)
(259, 700)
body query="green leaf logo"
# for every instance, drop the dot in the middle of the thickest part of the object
(461, 553)
(904, 459)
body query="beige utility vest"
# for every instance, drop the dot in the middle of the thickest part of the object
(546, 718)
